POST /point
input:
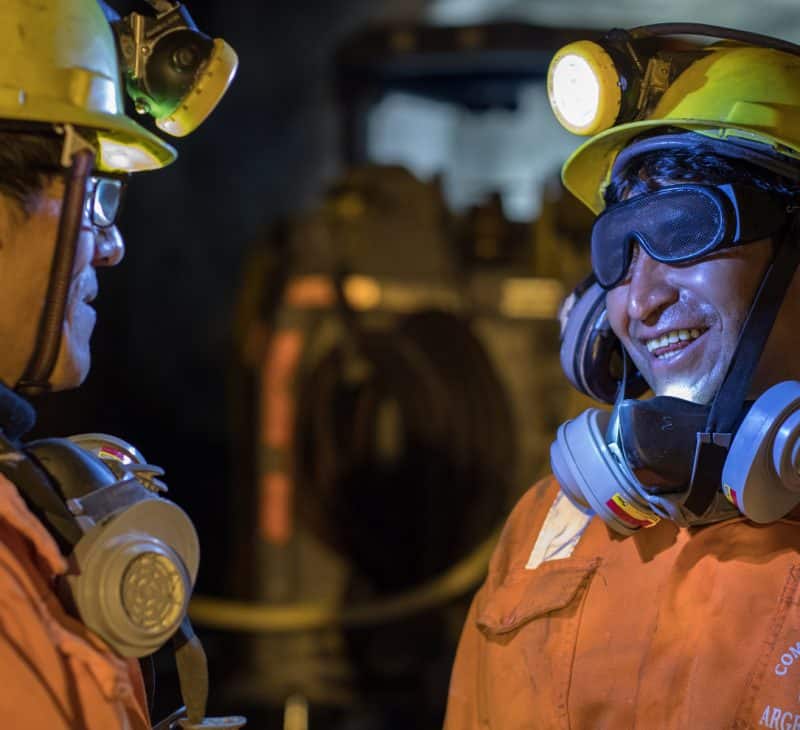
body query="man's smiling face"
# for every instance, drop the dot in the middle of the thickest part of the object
(680, 323)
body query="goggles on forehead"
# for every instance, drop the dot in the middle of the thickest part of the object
(104, 195)
(682, 223)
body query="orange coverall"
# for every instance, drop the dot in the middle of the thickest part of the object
(54, 673)
(667, 629)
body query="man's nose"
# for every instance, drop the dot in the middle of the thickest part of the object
(650, 291)
(109, 248)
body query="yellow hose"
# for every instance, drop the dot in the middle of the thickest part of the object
(219, 613)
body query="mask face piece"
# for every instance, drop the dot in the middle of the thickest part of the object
(133, 568)
(594, 478)
(594, 474)
(657, 438)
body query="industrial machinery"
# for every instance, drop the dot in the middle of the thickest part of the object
(397, 388)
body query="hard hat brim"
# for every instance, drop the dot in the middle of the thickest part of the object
(586, 172)
(125, 146)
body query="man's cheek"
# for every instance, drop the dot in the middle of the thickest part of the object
(642, 364)
(615, 312)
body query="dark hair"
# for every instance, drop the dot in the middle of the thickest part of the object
(27, 161)
(693, 163)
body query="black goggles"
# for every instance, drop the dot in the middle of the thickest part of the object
(682, 223)
(104, 195)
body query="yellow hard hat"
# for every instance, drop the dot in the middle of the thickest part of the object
(58, 64)
(731, 91)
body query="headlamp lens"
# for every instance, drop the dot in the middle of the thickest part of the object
(583, 86)
(575, 91)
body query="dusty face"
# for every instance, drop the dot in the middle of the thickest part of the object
(680, 324)
(26, 252)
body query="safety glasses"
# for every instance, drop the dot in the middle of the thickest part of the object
(104, 195)
(105, 192)
(680, 224)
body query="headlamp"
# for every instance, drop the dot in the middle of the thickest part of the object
(173, 72)
(597, 85)
(583, 86)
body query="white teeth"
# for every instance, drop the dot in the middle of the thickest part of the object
(670, 338)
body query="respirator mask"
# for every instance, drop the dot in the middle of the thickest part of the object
(132, 555)
(664, 457)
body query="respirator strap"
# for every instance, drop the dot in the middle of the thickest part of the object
(37, 374)
(727, 406)
(612, 432)
(39, 494)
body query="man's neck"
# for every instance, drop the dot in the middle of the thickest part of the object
(17, 416)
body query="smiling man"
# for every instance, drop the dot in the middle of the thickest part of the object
(680, 324)
(653, 581)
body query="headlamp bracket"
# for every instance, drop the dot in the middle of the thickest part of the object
(161, 56)
(657, 78)
(73, 143)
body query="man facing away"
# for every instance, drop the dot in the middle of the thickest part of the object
(653, 581)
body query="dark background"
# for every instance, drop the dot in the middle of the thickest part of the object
(163, 346)
(163, 349)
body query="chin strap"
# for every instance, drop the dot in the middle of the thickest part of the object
(35, 379)
(729, 402)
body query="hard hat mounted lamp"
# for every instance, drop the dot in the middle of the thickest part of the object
(584, 87)
(173, 72)
(594, 86)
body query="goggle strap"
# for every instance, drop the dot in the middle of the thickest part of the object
(727, 405)
(612, 431)
(765, 209)
(730, 398)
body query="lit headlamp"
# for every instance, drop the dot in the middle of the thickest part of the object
(596, 85)
(173, 72)
(593, 86)
(584, 87)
